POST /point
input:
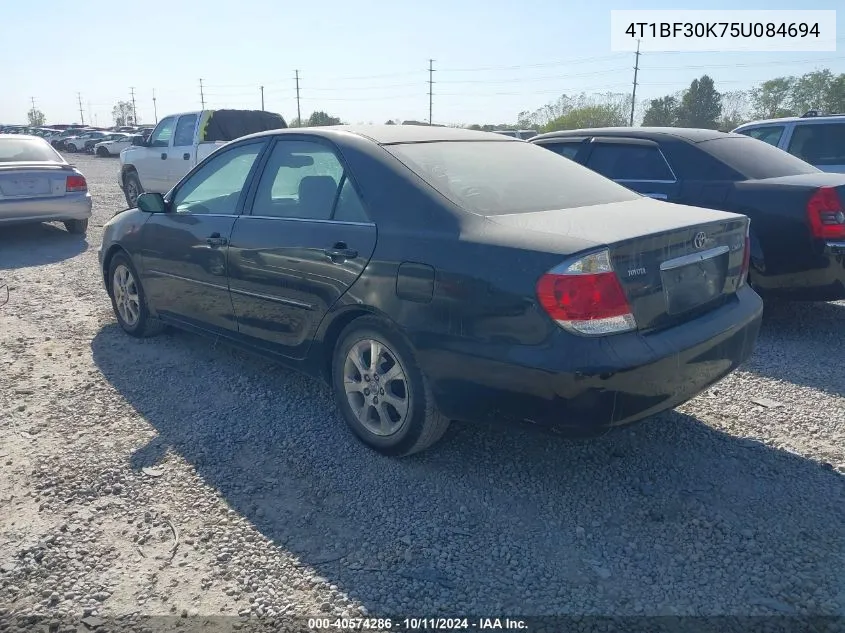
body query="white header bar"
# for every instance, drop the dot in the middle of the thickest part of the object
(723, 31)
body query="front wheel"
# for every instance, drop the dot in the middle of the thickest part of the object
(71, 148)
(381, 391)
(128, 299)
(132, 188)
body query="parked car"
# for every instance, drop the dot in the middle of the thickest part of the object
(38, 185)
(520, 134)
(80, 142)
(431, 274)
(115, 144)
(180, 141)
(58, 141)
(814, 138)
(797, 213)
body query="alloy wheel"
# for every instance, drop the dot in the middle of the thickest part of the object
(126, 297)
(376, 387)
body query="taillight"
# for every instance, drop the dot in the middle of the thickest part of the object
(826, 214)
(746, 257)
(76, 183)
(586, 297)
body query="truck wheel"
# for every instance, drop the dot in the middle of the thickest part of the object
(132, 188)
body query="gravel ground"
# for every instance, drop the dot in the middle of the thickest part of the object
(172, 477)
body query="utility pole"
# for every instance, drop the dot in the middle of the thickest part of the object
(430, 88)
(90, 114)
(155, 110)
(79, 100)
(298, 111)
(202, 96)
(634, 94)
(134, 111)
(33, 102)
(262, 97)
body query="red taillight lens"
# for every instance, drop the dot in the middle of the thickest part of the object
(76, 183)
(826, 214)
(586, 297)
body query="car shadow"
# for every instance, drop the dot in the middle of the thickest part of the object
(648, 511)
(25, 245)
(802, 343)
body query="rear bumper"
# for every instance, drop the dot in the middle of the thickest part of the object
(583, 386)
(73, 206)
(825, 281)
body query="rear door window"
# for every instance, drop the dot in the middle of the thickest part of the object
(184, 135)
(819, 144)
(567, 150)
(630, 162)
(770, 134)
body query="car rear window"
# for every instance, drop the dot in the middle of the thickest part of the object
(27, 150)
(755, 159)
(498, 178)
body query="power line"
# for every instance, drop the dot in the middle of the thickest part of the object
(430, 88)
(134, 111)
(634, 94)
(298, 112)
(81, 115)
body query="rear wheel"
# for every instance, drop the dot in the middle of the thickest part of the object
(381, 392)
(71, 148)
(132, 188)
(128, 299)
(102, 152)
(77, 227)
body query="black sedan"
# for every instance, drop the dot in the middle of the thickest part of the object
(432, 274)
(797, 211)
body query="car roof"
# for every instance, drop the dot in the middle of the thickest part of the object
(793, 119)
(690, 135)
(391, 134)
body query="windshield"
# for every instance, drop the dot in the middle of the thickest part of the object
(26, 150)
(497, 178)
(755, 159)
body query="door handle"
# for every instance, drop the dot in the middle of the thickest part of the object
(164, 156)
(341, 251)
(186, 156)
(215, 240)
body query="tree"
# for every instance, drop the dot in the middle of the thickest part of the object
(771, 99)
(474, 126)
(662, 112)
(36, 117)
(600, 115)
(734, 110)
(390, 122)
(123, 114)
(320, 118)
(608, 106)
(701, 105)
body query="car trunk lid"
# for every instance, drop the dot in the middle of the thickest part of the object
(21, 180)
(674, 262)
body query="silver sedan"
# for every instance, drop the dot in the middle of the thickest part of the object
(38, 185)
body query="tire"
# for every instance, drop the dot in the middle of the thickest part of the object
(126, 291)
(132, 188)
(388, 432)
(77, 227)
(71, 148)
(102, 152)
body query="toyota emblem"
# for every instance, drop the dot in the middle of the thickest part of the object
(699, 240)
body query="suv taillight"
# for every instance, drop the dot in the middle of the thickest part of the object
(746, 257)
(585, 297)
(826, 214)
(76, 183)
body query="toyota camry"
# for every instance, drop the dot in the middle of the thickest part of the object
(433, 274)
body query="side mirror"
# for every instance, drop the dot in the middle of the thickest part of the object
(139, 141)
(152, 203)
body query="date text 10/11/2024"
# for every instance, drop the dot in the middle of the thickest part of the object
(417, 624)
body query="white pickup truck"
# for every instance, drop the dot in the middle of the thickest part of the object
(179, 142)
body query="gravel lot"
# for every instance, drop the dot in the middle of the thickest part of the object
(172, 477)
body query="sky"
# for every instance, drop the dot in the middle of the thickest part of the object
(363, 61)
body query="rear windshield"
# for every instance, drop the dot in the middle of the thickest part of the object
(755, 159)
(26, 149)
(497, 178)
